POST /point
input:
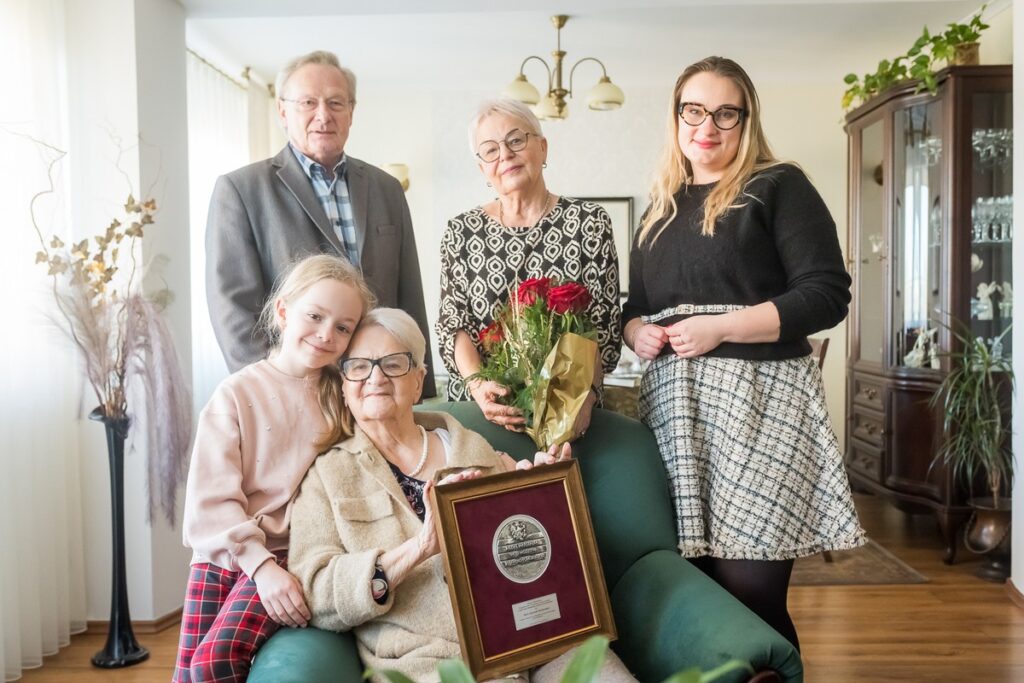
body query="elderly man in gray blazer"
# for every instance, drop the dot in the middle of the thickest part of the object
(311, 198)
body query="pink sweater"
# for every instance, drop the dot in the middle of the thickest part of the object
(254, 443)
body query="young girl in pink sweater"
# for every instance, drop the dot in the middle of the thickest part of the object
(257, 436)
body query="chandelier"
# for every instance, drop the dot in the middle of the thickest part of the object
(603, 96)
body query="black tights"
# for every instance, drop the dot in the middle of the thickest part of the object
(760, 585)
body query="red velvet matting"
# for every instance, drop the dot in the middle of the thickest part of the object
(494, 595)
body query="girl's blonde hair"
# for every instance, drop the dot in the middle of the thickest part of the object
(300, 277)
(674, 169)
(403, 328)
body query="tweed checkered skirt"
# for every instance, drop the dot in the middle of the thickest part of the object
(753, 463)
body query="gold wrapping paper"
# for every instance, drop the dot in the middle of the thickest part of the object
(562, 386)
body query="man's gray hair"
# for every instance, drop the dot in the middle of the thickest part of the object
(317, 57)
(508, 107)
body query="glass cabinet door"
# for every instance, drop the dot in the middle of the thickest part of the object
(871, 247)
(991, 293)
(918, 178)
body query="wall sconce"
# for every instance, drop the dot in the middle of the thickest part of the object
(400, 172)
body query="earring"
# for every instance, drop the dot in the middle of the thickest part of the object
(544, 165)
(489, 185)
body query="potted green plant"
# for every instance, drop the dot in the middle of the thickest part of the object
(958, 44)
(974, 400)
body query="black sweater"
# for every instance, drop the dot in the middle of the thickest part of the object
(780, 246)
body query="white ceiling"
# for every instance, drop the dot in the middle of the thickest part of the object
(461, 44)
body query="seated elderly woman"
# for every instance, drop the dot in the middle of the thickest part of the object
(363, 542)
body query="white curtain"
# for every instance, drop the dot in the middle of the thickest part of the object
(42, 575)
(218, 142)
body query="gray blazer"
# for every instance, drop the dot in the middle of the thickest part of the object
(266, 215)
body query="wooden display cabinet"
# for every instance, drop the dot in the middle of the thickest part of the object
(930, 235)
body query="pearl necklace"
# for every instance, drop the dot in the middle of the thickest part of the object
(423, 454)
(548, 205)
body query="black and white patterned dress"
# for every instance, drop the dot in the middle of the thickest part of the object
(753, 463)
(482, 259)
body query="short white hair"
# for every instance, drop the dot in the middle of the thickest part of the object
(322, 57)
(508, 107)
(402, 327)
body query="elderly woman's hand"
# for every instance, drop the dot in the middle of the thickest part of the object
(486, 394)
(427, 539)
(553, 455)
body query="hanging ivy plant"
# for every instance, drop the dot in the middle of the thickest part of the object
(919, 63)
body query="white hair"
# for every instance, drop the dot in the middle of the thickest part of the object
(322, 57)
(402, 327)
(508, 107)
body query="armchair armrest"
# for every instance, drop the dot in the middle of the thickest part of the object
(307, 655)
(670, 616)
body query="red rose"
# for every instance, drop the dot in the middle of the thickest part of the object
(532, 289)
(491, 335)
(571, 297)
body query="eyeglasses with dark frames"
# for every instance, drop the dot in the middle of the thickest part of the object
(725, 117)
(392, 365)
(490, 150)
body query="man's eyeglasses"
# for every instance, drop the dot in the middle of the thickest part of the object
(392, 365)
(308, 104)
(490, 150)
(725, 117)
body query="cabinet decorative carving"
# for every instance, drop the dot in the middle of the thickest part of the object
(930, 235)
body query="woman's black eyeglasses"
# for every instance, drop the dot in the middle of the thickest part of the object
(725, 117)
(392, 365)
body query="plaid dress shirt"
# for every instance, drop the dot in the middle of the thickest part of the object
(334, 198)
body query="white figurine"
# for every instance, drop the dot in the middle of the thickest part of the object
(985, 292)
(924, 348)
(1006, 304)
(976, 263)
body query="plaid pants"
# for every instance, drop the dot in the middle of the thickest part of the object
(223, 623)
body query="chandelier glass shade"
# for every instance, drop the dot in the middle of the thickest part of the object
(552, 105)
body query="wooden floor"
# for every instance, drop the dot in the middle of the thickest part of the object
(955, 628)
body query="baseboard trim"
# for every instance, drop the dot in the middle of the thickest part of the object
(1015, 595)
(151, 626)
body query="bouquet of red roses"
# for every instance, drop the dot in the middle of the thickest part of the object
(541, 346)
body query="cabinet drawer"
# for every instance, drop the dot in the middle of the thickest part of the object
(865, 459)
(868, 392)
(869, 426)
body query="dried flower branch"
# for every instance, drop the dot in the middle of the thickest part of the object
(125, 346)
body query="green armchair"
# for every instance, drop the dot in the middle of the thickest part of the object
(669, 615)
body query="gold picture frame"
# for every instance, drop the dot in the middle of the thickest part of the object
(524, 541)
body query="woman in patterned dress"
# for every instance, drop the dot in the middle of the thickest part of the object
(735, 263)
(526, 232)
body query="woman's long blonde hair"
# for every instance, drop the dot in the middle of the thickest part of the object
(300, 277)
(674, 169)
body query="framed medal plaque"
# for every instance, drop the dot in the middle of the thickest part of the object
(522, 566)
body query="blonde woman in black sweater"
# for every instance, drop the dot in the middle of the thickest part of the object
(735, 263)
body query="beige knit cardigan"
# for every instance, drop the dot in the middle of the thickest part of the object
(349, 510)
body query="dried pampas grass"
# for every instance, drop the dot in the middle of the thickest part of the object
(125, 345)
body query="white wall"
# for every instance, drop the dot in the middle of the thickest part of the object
(126, 75)
(163, 160)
